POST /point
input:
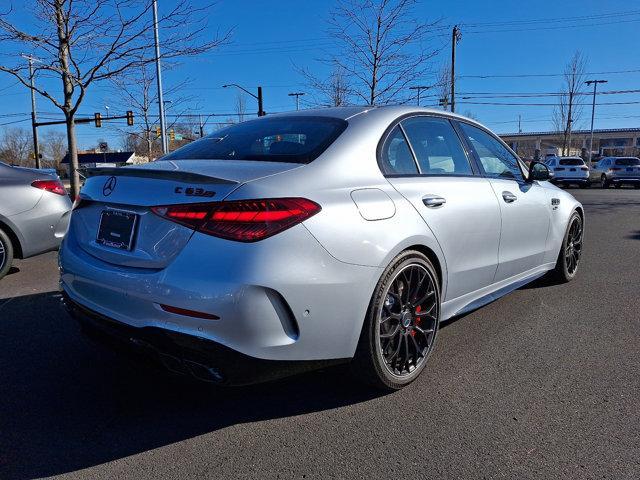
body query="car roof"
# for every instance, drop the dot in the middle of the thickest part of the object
(391, 111)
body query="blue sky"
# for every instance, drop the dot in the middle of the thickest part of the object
(270, 37)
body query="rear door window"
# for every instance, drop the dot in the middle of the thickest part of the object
(436, 146)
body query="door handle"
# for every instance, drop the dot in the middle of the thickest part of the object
(509, 197)
(433, 201)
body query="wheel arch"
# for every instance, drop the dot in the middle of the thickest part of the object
(13, 236)
(433, 258)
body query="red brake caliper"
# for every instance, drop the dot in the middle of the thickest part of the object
(418, 309)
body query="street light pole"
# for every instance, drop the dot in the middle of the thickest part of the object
(163, 125)
(593, 114)
(258, 97)
(297, 95)
(34, 128)
(419, 88)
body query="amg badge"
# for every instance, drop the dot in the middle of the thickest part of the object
(194, 192)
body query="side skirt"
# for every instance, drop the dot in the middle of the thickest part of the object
(486, 295)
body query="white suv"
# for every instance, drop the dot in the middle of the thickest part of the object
(569, 170)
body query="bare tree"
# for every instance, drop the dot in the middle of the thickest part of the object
(54, 148)
(82, 42)
(333, 91)
(137, 91)
(241, 107)
(443, 86)
(379, 46)
(568, 110)
(16, 147)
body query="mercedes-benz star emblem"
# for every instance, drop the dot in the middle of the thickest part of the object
(109, 186)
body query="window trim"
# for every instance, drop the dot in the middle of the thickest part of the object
(476, 172)
(477, 157)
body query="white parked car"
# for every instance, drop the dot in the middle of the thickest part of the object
(569, 171)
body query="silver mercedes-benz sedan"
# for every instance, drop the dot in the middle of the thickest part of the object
(341, 235)
(34, 213)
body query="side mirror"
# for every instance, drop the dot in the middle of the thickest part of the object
(539, 171)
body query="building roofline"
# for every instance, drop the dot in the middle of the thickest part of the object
(578, 132)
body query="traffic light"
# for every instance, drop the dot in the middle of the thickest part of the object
(172, 135)
(157, 132)
(97, 118)
(129, 117)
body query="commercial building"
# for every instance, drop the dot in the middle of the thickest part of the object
(606, 142)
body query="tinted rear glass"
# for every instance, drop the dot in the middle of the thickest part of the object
(294, 139)
(571, 161)
(628, 161)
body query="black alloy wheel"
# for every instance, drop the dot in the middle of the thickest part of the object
(400, 329)
(571, 250)
(6, 254)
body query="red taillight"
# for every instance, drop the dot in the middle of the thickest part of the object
(53, 186)
(241, 220)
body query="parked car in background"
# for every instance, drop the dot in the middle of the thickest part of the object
(293, 241)
(617, 171)
(34, 213)
(569, 171)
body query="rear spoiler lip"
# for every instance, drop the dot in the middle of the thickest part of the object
(176, 175)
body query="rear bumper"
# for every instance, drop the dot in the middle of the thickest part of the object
(185, 354)
(630, 180)
(284, 298)
(43, 227)
(567, 180)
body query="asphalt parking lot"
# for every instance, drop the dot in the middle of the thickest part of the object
(543, 383)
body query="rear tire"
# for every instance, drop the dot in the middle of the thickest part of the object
(571, 251)
(6, 253)
(402, 321)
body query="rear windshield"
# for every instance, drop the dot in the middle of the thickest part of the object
(628, 161)
(571, 161)
(294, 139)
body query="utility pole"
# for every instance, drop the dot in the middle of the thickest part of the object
(519, 124)
(455, 37)
(593, 113)
(163, 125)
(297, 95)
(419, 88)
(201, 126)
(34, 128)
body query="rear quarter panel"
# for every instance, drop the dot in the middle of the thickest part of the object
(349, 165)
(559, 219)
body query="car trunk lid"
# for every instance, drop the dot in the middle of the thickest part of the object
(129, 193)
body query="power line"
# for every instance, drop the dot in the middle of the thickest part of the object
(528, 75)
(544, 104)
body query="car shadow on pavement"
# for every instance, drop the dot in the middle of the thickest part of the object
(68, 404)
